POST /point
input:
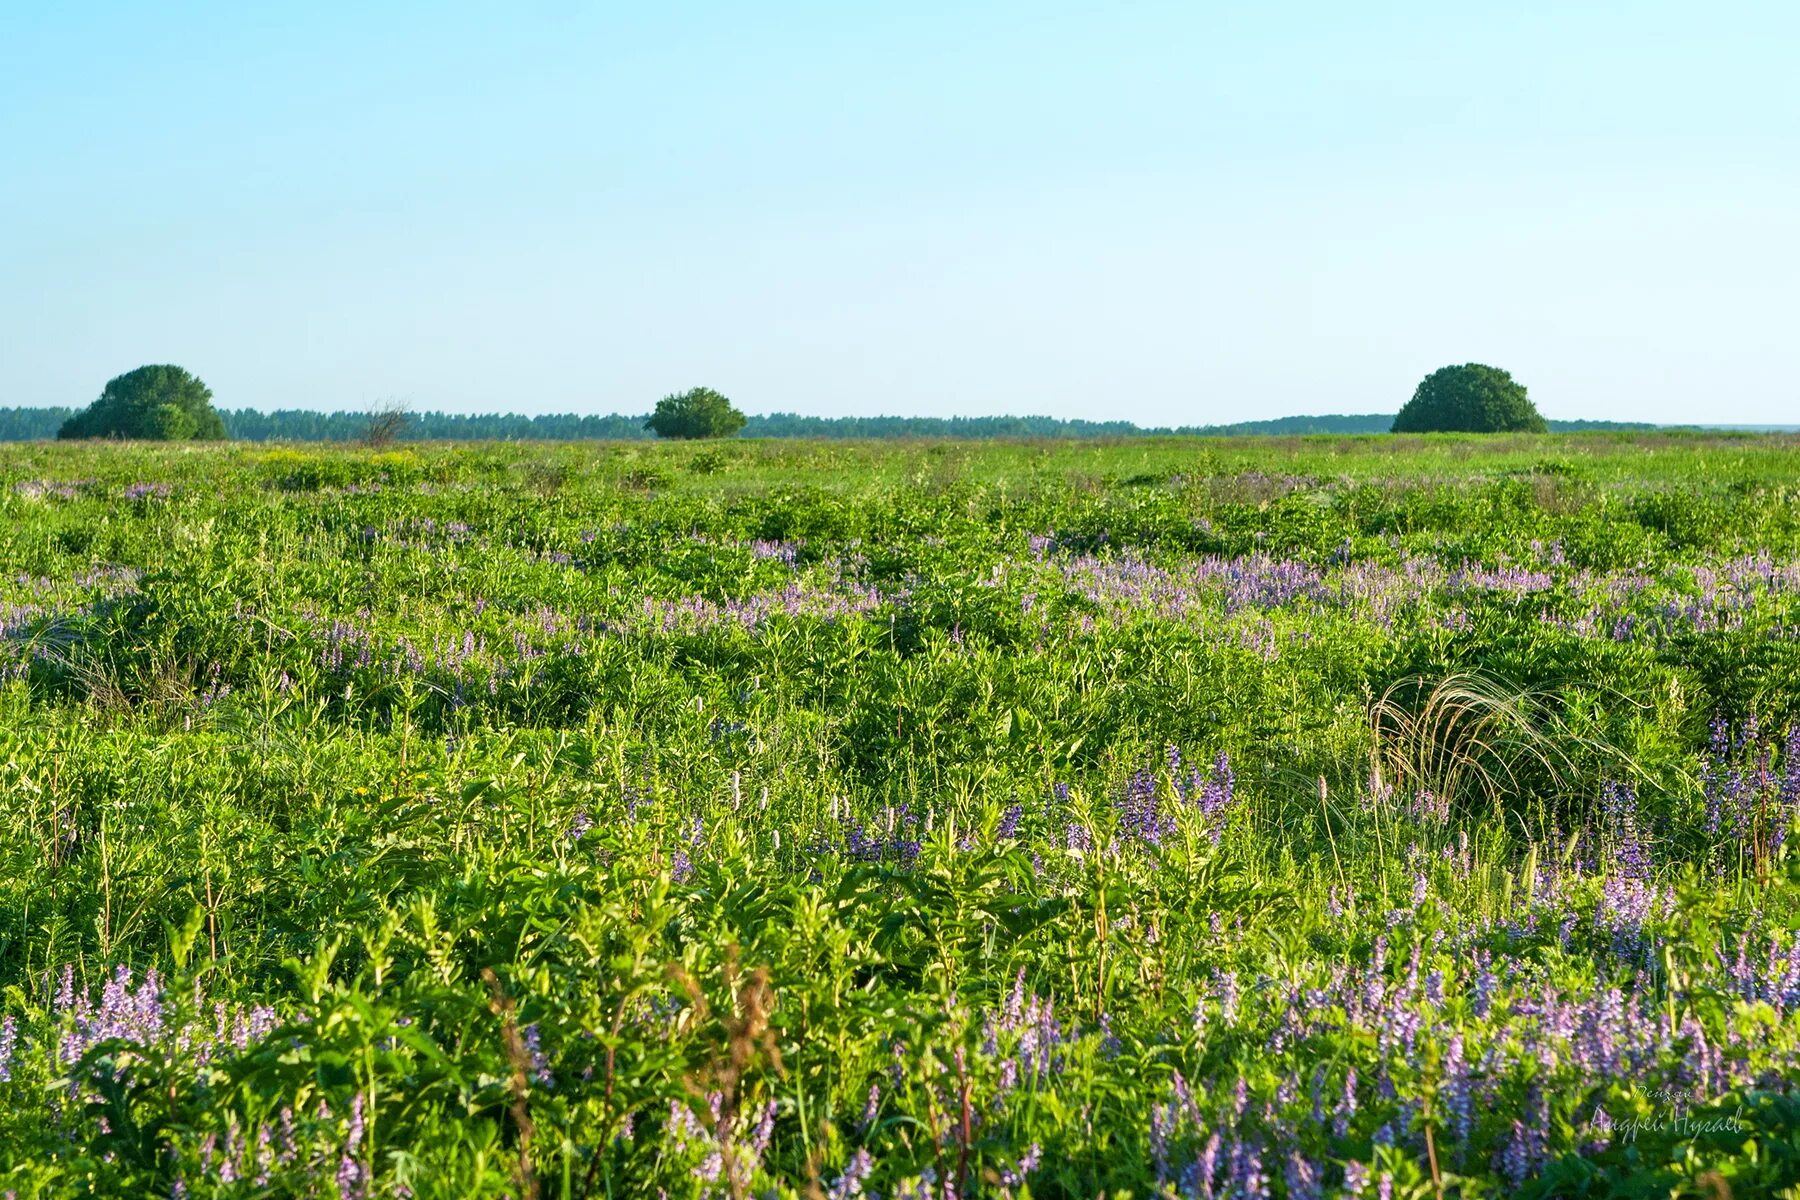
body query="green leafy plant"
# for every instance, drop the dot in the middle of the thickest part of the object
(883, 819)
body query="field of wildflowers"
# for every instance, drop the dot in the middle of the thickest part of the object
(1372, 817)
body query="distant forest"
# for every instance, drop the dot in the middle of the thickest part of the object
(304, 425)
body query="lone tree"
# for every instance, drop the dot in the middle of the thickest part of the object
(386, 422)
(160, 404)
(1470, 399)
(696, 413)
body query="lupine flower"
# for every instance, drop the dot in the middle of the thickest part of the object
(1009, 823)
(1346, 1106)
(1015, 1176)
(1140, 811)
(850, 1182)
(1227, 984)
(1457, 1089)
(532, 1036)
(1247, 1171)
(1302, 1178)
(871, 1108)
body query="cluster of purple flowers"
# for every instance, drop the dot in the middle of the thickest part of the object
(41, 489)
(1751, 801)
(1128, 582)
(1214, 1135)
(1628, 909)
(18, 618)
(316, 1153)
(420, 535)
(1632, 605)
(1227, 1152)
(681, 864)
(95, 1040)
(1508, 579)
(725, 1149)
(1620, 605)
(140, 1016)
(46, 619)
(1622, 827)
(798, 599)
(1208, 796)
(459, 657)
(1025, 1039)
(850, 1182)
(1023, 1049)
(893, 839)
(1141, 814)
(1772, 977)
(122, 1014)
(783, 552)
(456, 661)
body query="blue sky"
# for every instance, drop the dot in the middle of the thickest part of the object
(1172, 213)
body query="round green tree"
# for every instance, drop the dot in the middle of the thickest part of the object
(696, 413)
(159, 403)
(1470, 399)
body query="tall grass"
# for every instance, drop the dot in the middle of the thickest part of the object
(1305, 817)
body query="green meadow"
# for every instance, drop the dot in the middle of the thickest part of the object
(1257, 817)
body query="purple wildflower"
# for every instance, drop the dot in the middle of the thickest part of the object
(856, 1171)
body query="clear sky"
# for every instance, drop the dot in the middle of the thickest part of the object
(1166, 212)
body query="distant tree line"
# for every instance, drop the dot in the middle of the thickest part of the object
(31, 424)
(306, 425)
(795, 425)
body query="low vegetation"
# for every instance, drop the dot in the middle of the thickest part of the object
(1291, 818)
(308, 425)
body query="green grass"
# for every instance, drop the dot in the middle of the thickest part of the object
(589, 820)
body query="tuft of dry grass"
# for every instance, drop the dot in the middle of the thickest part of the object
(1473, 740)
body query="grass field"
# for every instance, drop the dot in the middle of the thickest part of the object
(1291, 817)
